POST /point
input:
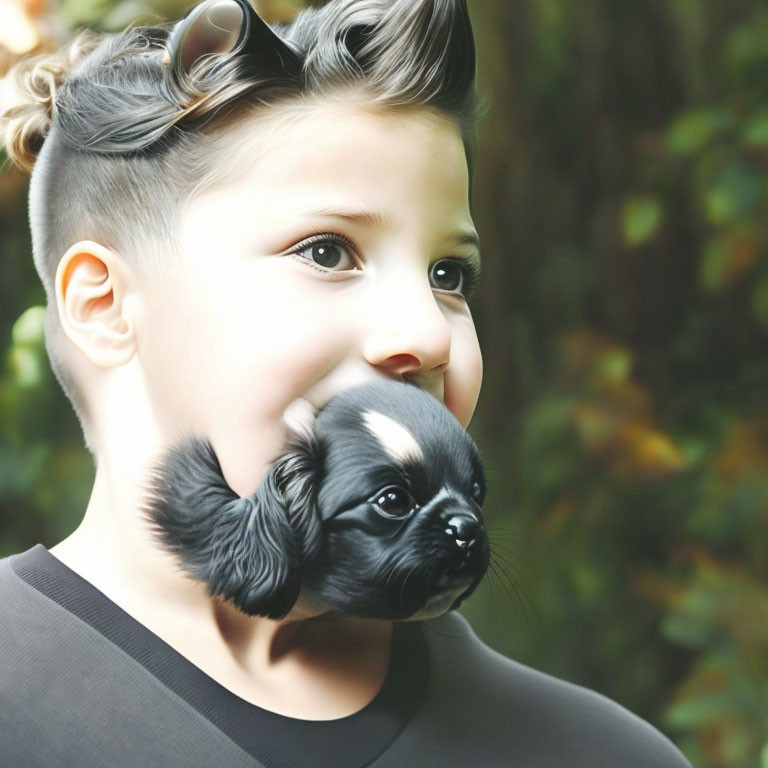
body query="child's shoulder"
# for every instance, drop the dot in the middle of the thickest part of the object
(478, 708)
(537, 717)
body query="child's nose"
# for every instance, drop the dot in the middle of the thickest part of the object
(412, 337)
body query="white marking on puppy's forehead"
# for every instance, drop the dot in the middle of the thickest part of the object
(398, 441)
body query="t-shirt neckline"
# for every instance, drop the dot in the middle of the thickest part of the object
(271, 738)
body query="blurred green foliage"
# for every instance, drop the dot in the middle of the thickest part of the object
(621, 195)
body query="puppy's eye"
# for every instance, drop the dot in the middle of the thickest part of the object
(477, 492)
(393, 501)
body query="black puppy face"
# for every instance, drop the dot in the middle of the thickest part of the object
(373, 511)
(400, 501)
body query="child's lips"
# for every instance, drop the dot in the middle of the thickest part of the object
(324, 391)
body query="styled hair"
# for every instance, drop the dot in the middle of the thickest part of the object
(116, 146)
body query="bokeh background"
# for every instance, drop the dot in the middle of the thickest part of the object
(621, 197)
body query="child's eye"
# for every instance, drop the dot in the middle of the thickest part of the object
(324, 251)
(456, 275)
(445, 272)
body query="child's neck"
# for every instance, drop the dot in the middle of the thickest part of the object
(338, 667)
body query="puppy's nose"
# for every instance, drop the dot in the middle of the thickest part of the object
(462, 527)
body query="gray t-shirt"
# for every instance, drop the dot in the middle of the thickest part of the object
(83, 684)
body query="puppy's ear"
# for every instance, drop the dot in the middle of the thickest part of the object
(225, 26)
(285, 530)
(298, 474)
(296, 477)
(299, 417)
(214, 26)
(250, 550)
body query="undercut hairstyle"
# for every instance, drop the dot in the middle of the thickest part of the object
(117, 147)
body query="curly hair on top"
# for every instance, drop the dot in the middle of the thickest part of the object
(116, 146)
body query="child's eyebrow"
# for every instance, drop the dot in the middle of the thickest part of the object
(380, 220)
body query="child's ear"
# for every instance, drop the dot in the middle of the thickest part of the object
(96, 304)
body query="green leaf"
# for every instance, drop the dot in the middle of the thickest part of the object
(735, 192)
(613, 365)
(28, 328)
(78, 13)
(692, 633)
(699, 711)
(641, 217)
(692, 131)
(26, 367)
(756, 130)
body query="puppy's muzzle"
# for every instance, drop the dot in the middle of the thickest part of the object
(464, 528)
(461, 542)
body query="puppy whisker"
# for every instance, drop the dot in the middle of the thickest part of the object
(523, 576)
(495, 568)
(494, 539)
(495, 546)
(500, 603)
(520, 590)
(521, 593)
(510, 604)
(501, 529)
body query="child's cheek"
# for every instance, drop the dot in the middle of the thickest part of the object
(464, 376)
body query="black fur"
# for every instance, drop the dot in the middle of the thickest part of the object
(313, 524)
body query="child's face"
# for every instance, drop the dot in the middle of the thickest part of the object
(245, 328)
